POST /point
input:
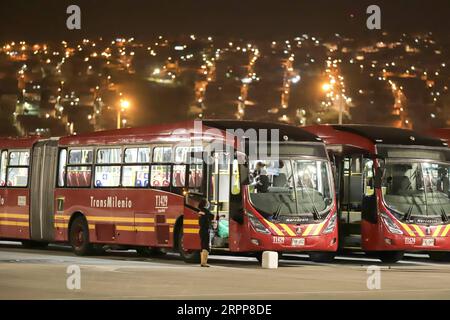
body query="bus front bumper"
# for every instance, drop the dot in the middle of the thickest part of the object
(328, 242)
(406, 243)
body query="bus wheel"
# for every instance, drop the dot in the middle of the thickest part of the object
(189, 256)
(30, 244)
(79, 237)
(322, 256)
(150, 252)
(440, 256)
(390, 256)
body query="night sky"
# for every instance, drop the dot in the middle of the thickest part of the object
(46, 19)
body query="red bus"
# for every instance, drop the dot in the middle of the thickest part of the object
(139, 187)
(390, 186)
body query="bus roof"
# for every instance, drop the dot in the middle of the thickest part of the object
(164, 132)
(18, 142)
(390, 135)
(366, 137)
(293, 133)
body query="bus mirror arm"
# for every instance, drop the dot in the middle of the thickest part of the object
(379, 173)
(378, 179)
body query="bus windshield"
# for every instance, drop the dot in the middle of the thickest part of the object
(291, 190)
(417, 189)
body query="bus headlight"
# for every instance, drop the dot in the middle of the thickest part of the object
(392, 227)
(331, 224)
(256, 224)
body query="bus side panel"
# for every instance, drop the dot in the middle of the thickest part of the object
(15, 215)
(191, 228)
(142, 217)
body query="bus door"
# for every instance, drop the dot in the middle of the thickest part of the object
(196, 190)
(351, 193)
(42, 190)
(218, 191)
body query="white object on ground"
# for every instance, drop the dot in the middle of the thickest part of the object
(270, 260)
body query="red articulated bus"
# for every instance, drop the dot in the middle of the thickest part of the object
(393, 190)
(139, 187)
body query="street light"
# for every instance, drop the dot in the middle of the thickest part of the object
(123, 105)
(326, 87)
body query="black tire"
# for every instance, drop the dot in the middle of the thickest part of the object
(323, 257)
(189, 256)
(98, 249)
(79, 237)
(150, 252)
(440, 256)
(30, 244)
(390, 256)
(372, 254)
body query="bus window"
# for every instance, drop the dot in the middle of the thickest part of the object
(162, 154)
(160, 176)
(62, 167)
(80, 156)
(368, 178)
(181, 154)
(19, 158)
(113, 155)
(107, 176)
(135, 176)
(137, 155)
(78, 176)
(17, 177)
(219, 186)
(17, 172)
(3, 168)
(179, 175)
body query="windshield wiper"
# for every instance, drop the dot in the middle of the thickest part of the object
(277, 212)
(316, 214)
(444, 215)
(408, 213)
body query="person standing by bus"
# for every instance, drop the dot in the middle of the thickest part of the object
(205, 220)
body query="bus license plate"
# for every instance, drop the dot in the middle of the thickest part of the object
(297, 242)
(428, 242)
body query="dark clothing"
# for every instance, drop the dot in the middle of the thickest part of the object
(204, 221)
(256, 173)
(263, 184)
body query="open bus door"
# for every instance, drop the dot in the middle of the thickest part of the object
(357, 199)
(197, 173)
(211, 180)
(351, 192)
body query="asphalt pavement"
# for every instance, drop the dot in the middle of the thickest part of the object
(56, 273)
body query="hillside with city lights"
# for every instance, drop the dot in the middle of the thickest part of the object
(69, 87)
